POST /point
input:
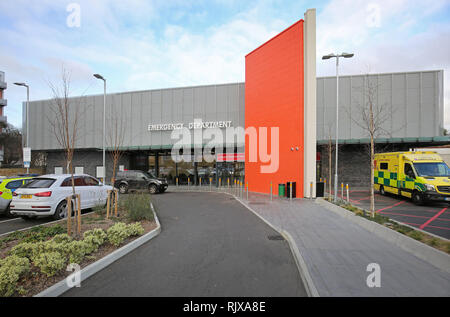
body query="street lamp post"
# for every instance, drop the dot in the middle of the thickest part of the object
(27, 113)
(98, 76)
(345, 55)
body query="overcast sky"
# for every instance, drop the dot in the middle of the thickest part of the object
(169, 43)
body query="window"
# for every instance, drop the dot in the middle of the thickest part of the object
(58, 170)
(40, 183)
(14, 184)
(78, 181)
(409, 171)
(79, 170)
(438, 169)
(384, 166)
(90, 181)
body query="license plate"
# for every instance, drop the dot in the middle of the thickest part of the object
(26, 196)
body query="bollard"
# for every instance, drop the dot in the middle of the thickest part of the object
(210, 184)
(177, 181)
(200, 182)
(189, 182)
(348, 196)
(311, 190)
(247, 191)
(342, 191)
(290, 191)
(324, 187)
(271, 191)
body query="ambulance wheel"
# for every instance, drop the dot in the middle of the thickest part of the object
(382, 192)
(417, 198)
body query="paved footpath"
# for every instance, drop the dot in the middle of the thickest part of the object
(210, 245)
(337, 252)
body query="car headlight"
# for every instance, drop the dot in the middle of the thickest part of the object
(430, 188)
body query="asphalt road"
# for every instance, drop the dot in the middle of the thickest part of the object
(433, 217)
(210, 245)
(13, 224)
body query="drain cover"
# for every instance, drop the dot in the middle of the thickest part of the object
(275, 237)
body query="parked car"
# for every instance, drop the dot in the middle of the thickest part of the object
(46, 195)
(135, 179)
(7, 187)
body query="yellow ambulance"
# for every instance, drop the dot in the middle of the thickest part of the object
(421, 176)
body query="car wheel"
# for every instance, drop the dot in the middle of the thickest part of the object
(61, 210)
(382, 192)
(153, 189)
(123, 188)
(8, 213)
(417, 198)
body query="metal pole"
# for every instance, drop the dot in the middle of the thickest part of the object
(348, 197)
(104, 129)
(337, 129)
(290, 191)
(247, 191)
(28, 122)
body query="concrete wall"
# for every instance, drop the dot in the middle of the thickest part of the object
(413, 103)
(138, 110)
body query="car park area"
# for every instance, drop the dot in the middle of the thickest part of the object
(433, 217)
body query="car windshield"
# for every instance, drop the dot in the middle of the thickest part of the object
(39, 183)
(432, 169)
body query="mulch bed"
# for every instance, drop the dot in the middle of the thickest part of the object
(35, 281)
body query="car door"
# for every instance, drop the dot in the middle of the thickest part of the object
(96, 191)
(141, 180)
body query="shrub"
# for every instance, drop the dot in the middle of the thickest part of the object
(95, 238)
(23, 250)
(117, 233)
(77, 250)
(138, 207)
(50, 263)
(120, 231)
(135, 229)
(60, 238)
(12, 268)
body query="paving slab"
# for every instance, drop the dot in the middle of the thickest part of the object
(337, 252)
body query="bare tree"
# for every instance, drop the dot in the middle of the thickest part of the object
(64, 123)
(115, 138)
(372, 118)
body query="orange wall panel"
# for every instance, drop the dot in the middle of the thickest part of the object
(274, 98)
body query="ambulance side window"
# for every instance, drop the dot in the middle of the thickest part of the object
(383, 166)
(409, 171)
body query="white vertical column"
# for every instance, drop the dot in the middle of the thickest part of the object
(309, 48)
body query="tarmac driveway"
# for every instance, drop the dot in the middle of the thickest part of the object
(210, 245)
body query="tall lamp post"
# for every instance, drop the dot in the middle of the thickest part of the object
(332, 55)
(98, 76)
(28, 130)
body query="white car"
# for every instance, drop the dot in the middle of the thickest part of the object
(46, 195)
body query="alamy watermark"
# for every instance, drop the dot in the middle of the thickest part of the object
(374, 278)
(74, 279)
(73, 20)
(206, 143)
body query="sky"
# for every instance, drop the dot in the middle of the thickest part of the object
(139, 45)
